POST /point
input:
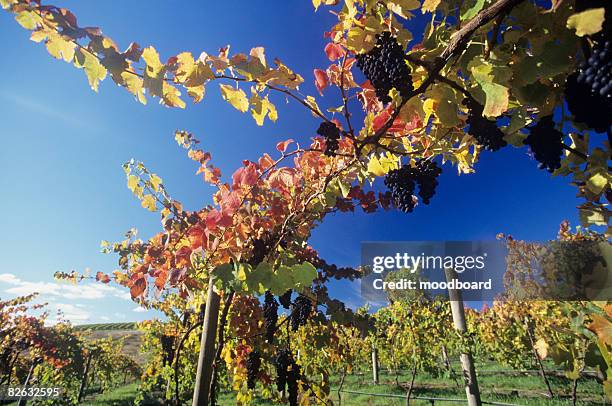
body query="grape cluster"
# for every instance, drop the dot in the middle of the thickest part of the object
(546, 143)
(261, 248)
(270, 311)
(285, 299)
(293, 376)
(167, 343)
(253, 364)
(485, 131)
(588, 91)
(402, 183)
(302, 307)
(385, 66)
(331, 133)
(287, 374)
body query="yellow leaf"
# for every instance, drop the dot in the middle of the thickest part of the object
(27, 19)
(154, 65)
(132, 182)
(235, 97)
(171, 96)
(148, 202)
(311, 101)
(262, 107)
(196, 93)
(93, 68)
(375, 167)
(192, 73)
(316, 4)
(155, 181)
(401, 7)
(430, 5)
(258, 109)
(587, 22)
(134, 85)
(541, 347)
(597, 183)
(60, 48)
(428, 107)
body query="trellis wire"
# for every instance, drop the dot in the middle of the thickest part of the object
(430, 399)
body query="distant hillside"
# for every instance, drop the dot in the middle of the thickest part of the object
(107, 326)
(128, 331)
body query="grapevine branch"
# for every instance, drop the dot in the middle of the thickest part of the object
(457, 44)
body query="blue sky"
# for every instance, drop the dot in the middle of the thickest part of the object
(62, 147)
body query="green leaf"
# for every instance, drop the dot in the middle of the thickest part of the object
(236, 97)
(281, 280)
(223, 274)
(303, 274)
(588, 22)
(497, 96)
(259, 279)
(470, 12)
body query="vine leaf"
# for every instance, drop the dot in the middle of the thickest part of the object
(236, 97)
(497, 95)
(93, 68)
(588, 22)
(430, 5)
(472, 11)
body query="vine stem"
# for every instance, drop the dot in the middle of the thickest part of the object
(457, 44)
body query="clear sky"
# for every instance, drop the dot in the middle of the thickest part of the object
(62, 147)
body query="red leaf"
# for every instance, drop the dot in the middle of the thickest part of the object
(334, 51)
(321, 80)
(282, 146)
(102, 277)
(138, 287)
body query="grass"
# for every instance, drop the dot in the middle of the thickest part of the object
(519, 390)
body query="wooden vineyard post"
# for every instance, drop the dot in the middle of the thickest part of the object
(375, 365)
(467, 362)
(201, 390)
(24, 400)
(84, 378)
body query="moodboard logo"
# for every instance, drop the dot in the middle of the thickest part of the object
(486, 270)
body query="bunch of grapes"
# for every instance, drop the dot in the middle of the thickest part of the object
(287, 374)
(331, 133)
(546, 143)
(426, 173)
(302, 307)
(485, 131)
(588, 91)
(285, 299)
(293, 376)
(261, 248)
(253, 364)
(282, 362)
(167, 343)
(385, 66)
(402, 183)
(270, 311)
